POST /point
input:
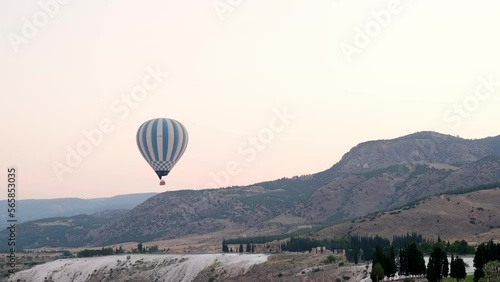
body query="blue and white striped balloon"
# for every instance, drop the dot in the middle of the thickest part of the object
(162, 143)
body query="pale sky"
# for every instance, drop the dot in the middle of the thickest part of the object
(308, 79)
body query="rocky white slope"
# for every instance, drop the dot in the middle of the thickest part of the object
(140, 268)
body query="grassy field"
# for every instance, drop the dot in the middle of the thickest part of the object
(469, 278)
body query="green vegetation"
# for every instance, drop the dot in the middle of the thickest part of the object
(266, 239)
(492, 270)
(377, 272)
(469, 278)
(330, 259)
(423, 169)
(490, 186)
(249, 248)
(384, 264)
(411, 260)
(298, 244)
(412, 248)
(225, 248)
(400, 241)
(457, 270)
(299, 189)
(390, 169)
(437, 268)
(92, 253)
(67, 254)
(153, 249)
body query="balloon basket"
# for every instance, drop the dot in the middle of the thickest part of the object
(162, 182)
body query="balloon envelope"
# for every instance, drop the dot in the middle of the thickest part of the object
(162, 143)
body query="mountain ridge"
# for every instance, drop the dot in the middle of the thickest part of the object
(372, 176)
(407, 168)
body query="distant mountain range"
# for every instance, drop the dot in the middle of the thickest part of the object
(37, 209)
(372, 177)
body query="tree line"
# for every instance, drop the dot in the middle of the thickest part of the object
(250, 248)
(270, 238)
(93, 253)
(403, 255)
(300, 244)
(357, 247)
(109, 251)
(411, 263)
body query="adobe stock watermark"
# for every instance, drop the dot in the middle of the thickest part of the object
(249, 149)
(41, 18)
(486, 87)
(222, 7)
(364, 36)
(121, 107)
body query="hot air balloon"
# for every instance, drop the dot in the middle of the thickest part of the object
(162, 143)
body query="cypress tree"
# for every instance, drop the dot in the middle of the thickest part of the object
(377, 272)
(445, 268)
(480, 256)
(453, 271)
(460, 268)
(435, 266)
(391, 264)
(431, 270)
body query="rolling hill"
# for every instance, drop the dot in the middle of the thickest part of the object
(46, 208)
(473, 216)
(60, 232)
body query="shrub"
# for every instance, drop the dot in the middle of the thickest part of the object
(331, 259)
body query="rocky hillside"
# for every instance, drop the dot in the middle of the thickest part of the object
(421, 147)
(473, 216)
(373, 176)
(359, 194)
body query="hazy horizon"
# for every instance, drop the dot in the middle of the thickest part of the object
(265, 90)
